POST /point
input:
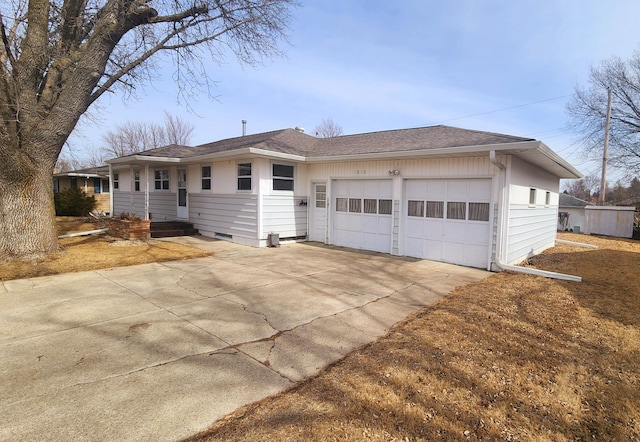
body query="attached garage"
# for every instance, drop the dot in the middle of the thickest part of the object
(448, 220)
(362, 214)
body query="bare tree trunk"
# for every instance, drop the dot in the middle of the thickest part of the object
(27, 216)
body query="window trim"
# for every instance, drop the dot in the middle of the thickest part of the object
(116, 181)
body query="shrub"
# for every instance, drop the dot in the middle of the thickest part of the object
(72, 201)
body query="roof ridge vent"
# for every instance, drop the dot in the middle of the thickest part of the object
(299, 129)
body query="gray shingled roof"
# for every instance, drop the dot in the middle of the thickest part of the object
(571, 201)
(291, 141)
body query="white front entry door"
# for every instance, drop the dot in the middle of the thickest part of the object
(183, 208)
(319, 213)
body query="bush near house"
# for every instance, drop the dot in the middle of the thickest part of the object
(74, 202)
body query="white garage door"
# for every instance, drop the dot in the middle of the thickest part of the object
(448, 220)
(362, 214)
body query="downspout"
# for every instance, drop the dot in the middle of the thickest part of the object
(501, 226)
(111, 192)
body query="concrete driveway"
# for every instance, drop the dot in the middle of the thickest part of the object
(161, 351)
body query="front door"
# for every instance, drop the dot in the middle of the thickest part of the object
(183, 209)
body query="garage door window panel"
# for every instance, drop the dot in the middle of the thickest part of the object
(370, 206)
(478, 211)
(456, 210)
(385, 207)
(342, 204)
(415, 208)
(355, 205)
(435, 209)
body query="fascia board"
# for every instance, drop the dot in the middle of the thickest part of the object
(441, 152)
(545, 150)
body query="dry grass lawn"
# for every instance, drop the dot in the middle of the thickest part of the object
(512, 357)
(94, 252)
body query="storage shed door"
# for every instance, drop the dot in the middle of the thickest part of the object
(362, 214)
(448, 220)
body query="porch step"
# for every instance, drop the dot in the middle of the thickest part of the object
(171, 228)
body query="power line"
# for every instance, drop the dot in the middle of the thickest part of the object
(499, 110)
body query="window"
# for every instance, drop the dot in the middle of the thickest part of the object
(73, 182)
(162, 179)
(105, 186)
(321, 196)
(96, 185)
(244, 176)
(370, 206)
(206, 177)
(116, 181)
(355, 205)
(532, 197)
(456, 210)
(478, 211)
(547, 199)
(136, 180)
(416, 208)
(342, 204)
(384, 207)
(282, 177)
(435, 209)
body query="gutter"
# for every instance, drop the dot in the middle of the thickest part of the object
(501, 214)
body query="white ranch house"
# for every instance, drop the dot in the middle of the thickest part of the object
(461, 196)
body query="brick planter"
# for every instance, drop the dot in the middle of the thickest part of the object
(130, 229)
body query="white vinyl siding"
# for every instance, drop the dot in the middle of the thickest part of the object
(284, 215)
(233, 215)
(162, 206)
(531, 229)
(129, 202)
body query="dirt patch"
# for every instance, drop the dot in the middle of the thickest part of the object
(512, 357)
(94, 252)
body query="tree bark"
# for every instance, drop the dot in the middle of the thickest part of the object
(27, 217)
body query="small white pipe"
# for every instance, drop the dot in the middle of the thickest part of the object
(545, 273)
(577, 244)
(88, 232)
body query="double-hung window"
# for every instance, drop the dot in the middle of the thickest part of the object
(162, 179)
(282, 177)
(206, 177)
(116, 181)
(136, 181)
(244, 176)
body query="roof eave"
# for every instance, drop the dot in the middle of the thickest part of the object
(143, 159)
(244, 152)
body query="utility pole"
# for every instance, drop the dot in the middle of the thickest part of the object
(605, 154)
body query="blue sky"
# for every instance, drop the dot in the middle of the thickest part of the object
(373, 65)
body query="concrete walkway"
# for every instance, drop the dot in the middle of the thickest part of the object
(161, 351)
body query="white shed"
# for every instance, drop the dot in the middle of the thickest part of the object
(609, 220)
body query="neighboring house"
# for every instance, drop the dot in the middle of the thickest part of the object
(442, 193)
(571, 214)
(93, 181)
